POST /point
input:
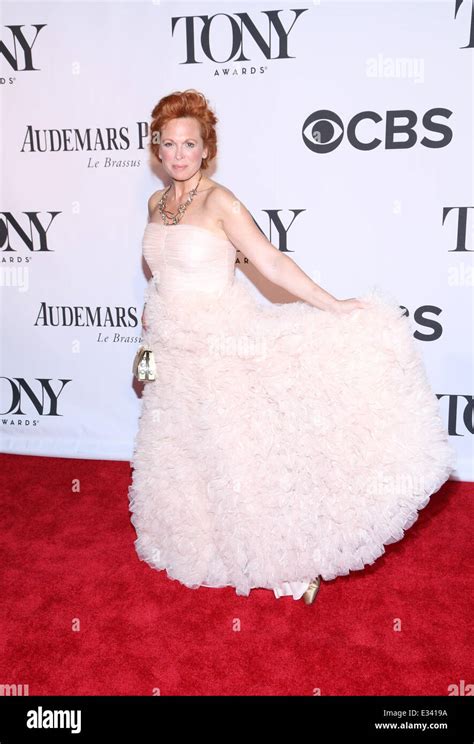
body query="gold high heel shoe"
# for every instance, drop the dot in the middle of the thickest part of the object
(313, 588)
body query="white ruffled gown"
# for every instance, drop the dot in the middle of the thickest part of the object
(278, 442)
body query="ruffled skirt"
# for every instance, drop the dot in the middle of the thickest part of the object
(281, 442)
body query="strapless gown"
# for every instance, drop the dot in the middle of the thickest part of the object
(278, 442)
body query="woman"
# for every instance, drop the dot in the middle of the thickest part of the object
(279, 444)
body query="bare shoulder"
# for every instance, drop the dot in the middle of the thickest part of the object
(223, 203)
(221, 196)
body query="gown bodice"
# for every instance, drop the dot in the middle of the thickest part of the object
(187, 260)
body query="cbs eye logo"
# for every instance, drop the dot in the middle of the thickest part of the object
(323, 130)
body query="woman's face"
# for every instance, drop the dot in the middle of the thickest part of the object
(181, 147)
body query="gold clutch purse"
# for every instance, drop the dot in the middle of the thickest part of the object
(144, 367)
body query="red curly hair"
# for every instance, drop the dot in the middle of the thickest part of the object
(189, 102)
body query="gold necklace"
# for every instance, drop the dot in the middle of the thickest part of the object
(175, 218)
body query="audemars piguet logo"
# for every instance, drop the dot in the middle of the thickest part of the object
(91, 140)
(85, 316)
(248, 36)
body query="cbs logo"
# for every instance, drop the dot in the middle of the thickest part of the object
(323, 130)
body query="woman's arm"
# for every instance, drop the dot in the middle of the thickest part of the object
(241, 230)
(152, 204)
(299, 284)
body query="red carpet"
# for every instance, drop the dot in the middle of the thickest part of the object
(81, 615)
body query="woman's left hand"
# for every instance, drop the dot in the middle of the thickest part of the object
(347, 306)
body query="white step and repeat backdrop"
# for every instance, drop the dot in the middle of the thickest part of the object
(346, 128)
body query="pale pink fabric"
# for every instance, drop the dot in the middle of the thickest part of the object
(278, 443)
(294, 589)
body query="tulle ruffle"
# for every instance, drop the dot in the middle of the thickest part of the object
(280, 442)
